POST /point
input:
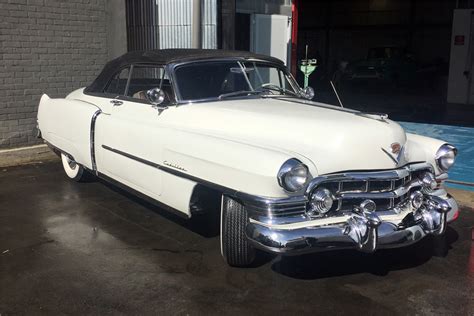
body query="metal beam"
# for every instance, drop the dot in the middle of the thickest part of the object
(196, 25)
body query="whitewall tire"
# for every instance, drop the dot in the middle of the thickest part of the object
(72, 169)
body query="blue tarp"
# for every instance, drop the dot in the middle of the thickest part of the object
(462, 138)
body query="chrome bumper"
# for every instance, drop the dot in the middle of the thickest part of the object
(361, 231)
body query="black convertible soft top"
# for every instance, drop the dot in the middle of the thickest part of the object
(168, 56)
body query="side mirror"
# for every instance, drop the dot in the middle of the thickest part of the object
(308, 93)
(156, 96)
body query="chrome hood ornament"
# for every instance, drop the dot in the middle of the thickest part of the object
(396, 148)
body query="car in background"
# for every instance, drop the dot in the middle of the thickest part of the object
(388, 63)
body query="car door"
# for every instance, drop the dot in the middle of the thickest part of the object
(128, 137)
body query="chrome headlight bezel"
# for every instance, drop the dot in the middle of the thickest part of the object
(293, 175)
(446, 157)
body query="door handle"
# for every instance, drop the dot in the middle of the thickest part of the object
(116, 102)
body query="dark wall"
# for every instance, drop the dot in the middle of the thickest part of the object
(344, 30)
(48, 47)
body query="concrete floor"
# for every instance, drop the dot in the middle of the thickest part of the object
(78, 248)
(26, 155)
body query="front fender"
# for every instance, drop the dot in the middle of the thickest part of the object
(422, 148)
(228, 163)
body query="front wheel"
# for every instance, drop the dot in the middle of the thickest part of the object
(235, 247)
(72, 169)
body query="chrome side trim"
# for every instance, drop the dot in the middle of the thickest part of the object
(143, 161)
(175, 172)
(92, 140)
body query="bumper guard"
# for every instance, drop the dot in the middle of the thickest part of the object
(363, 231)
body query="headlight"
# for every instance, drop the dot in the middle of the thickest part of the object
(293, 175)
(445, 156)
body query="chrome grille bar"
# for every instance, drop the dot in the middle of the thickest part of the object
(294, 205)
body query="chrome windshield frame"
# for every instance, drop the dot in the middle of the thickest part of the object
(174, 81)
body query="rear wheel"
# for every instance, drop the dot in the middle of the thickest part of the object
(72, 169)
(235, 247)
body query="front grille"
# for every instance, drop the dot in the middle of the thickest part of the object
(348, 204)
(388, 189)
(380, 186)
(353, 186)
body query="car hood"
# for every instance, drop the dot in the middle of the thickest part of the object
(332, 138)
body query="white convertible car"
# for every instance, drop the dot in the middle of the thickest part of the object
(189, 129)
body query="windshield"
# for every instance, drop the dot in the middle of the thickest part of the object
(225, 79)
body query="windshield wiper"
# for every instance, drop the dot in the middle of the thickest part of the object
(238, 93)
(279, 89)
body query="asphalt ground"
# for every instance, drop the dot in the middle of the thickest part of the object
(90, 248)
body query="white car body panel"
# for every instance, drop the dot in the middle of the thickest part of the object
(130, 129)
(318, 133)
(66, 125)
(422, 148)
(177, 193)
(237, 144)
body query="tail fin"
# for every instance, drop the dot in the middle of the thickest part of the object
(44, 97)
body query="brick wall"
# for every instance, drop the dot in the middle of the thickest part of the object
(46, 46)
